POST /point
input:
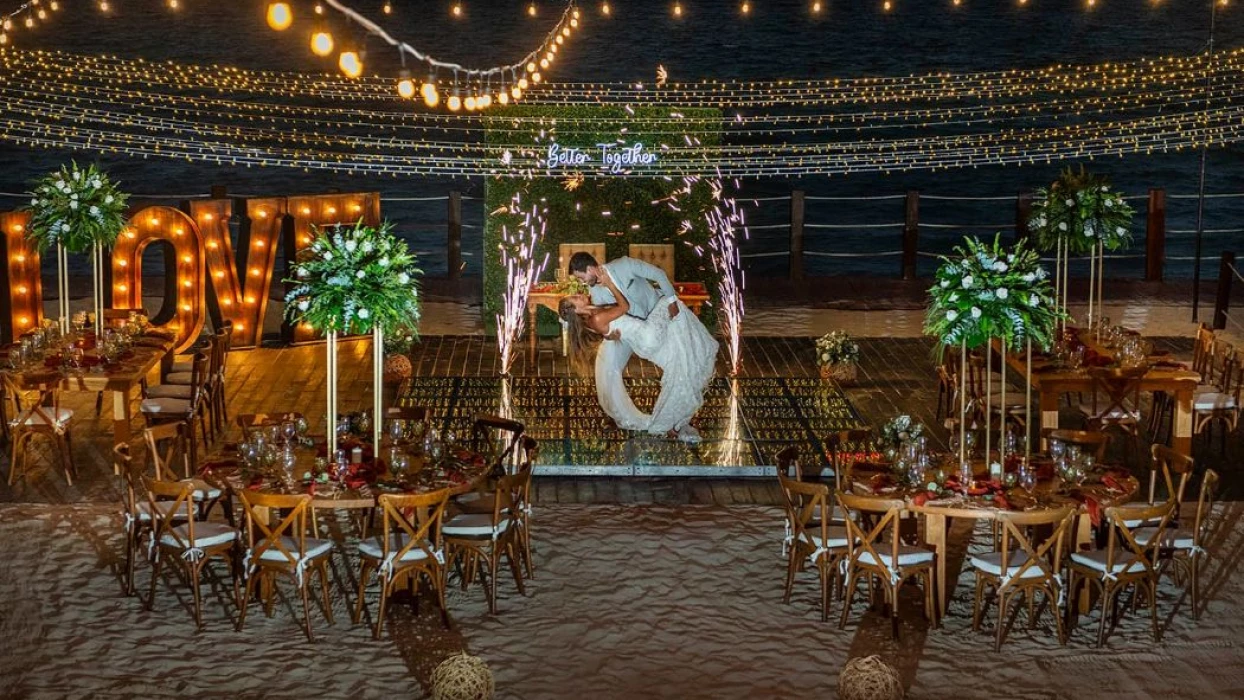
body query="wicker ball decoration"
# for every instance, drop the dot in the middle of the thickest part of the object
(869, 678)
(462, 677)
(845, 373)
(398, 367)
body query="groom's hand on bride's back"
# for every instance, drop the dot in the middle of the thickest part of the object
(674, 309)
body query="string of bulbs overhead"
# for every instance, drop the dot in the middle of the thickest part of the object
(471, 88)
(28, 15)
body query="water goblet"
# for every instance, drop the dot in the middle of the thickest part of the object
(1028, 479)
(365, 422)
(302, 426)
(397, 430)
(289, 430)
(289, 460)
(969, 441)
(1057, 449)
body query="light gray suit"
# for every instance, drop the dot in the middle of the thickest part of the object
(634, 279)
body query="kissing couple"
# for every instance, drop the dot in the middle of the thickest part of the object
(624, 313)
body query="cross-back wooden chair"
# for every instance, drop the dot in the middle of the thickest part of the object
(169, 453)
(1164, 464)
(522, 502)
(190, 542)
(812, 539)
(1184, 546)
(497, 437)
(1223, 404)
(176, 383)
(875, 551)
(1092, 442)
(1124, 562)
(788, 469)
(474, 541)
(284, 549)
(137, 509)
(843, 448)
(217, 394)
(36, 412)
(983, 395)
(1023, 566)
(158, 409)
(409, 547)
(1115, 401)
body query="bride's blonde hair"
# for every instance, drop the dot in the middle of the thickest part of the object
(582, 339)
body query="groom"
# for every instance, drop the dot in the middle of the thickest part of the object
(635, 279)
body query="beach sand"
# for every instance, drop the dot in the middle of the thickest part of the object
(629, 601)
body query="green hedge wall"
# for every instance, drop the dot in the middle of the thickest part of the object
(617, 210)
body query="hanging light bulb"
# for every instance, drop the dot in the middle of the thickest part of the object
(517, 92)
(566, 31)
(431, 97)
(605, 9)
(54, 5)
(956, 3)
(544, 63)
(816, 7)
(485, 101)
(103, 5)
(30, 22)
(173, 4)
(678, 9)
(887, 5)
(406, 86)
(531, 9)
(574, 22)
(574, 14)
(559, 39)
(4, 39)
(321, 43)
(350, 64)
(280, 16)
(531, 67)
(388, 8)
(746, 7)
(457, 9)
(535, 77)
(522, 83)
(8, 24)
(319, 9)
(454, 103)
(503, 97)
(469, 103)
(43, 13)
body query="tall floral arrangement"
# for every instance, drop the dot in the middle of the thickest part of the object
(1080, 210)
(76, 207)
(986, 291)
(352, 279)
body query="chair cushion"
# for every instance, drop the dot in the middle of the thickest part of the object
(373, 547)
(1177, 538)
(1213, 401)
(182, 378)
(170, 406)
(837, 537)
(170, 391)
(474, 525)
(1096, 560)
(180, 367)
(60, 416)
(907, 556)
(316, 548)
(991, 563)
(203, 491)
(205, 535)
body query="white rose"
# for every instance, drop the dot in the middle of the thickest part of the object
(1070, 203)
(94, 210)
(384, 262)
(1002, 292)
(77, 175)
(1034, 300)
(96, 184)
(1062, 226)
(364, 313)
(1030, 277)
(350, 246)
(367, 247)
(1000, 266)
(1109, 203)
(108, 199)
(34, 202)
(976, 312)
(304, 305)
(360, 274)
(967, 282)
(954, 296)
(74, 197)
(328, 255)
(302, 272)
(952, 315)
(825, 357)
(73, 205)
(403, 278)
(1121, 231)
(945, 284)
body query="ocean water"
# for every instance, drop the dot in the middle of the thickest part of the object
(779, 39)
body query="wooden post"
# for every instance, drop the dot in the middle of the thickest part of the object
(796, 235)
(1023, 212)
(1226, 275)
(455, 235)
(911, 234)
(1155, 235)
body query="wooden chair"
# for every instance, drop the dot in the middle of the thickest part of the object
(218, 395)
(189, 541)
(497, 437)
(843, 448)
(1223, 405)
(159, 407)
(812, 540)
(1185, 547)
(1124, 562)
(1022, 567)
(876, 552)
(410, 546)
(137, 511)
(407, 415)
(285, 549)
(474, 541)
(179, 384)
(1115, 401)
(522, 503)
(168, 448)
(659, 254)
(1089, 441)
(1164, 463)
(37, 412)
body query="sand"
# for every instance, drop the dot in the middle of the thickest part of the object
(630, 601)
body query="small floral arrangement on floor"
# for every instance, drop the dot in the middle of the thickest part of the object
(1079, 210)
(900, 429)
(77, 208)
(836, 347)
(986, 291)
(354, 278)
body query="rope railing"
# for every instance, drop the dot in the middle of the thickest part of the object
(884, 253)
(853, 226)
(1235, 271)
(1208, 230)
(924, 224)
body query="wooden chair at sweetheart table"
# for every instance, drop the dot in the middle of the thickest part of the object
(189, 542)
(410, 546)
(1024, 567)
(811, 539)
(284, 549)
(876, 551)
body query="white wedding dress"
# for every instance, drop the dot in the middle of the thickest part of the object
(687, 355)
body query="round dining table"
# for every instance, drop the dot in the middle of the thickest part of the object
(1102, 488)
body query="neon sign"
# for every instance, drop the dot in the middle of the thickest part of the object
(612, 157)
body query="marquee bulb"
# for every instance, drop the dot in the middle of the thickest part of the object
(350, 64)
(321, 43)
(280, 16)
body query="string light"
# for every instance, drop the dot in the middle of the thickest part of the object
(388, 8)
(174, 4)
(280, 17)
(887, 5)
(322, 44)
(431, 97)
(406, 87)
(816, 7)
(745, 8)
(350, 64)
(677, 9)
(457, 9)
(531, 10)
(605, 9)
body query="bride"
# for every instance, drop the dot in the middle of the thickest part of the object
(671, 337)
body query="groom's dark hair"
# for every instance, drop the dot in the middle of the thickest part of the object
(580, 262)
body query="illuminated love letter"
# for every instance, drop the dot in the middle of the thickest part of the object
(320, 211)
(23, 299)
(240, 298)
(183, 307)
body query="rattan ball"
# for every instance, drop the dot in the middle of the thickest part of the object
(398, 367)
(869, 678)
(462, 677)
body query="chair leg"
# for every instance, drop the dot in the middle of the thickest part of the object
(1194, 585)
(328, 606)
(364, 571)
(193, 570)
(304, 589)
(491, 585)
(852, 582)
(511, 553)
(155, 576)
(791, 564)
(1109, 596)
(978, 609)
(65, 445)
(386, 583)
(824, 571)
(1153, 609)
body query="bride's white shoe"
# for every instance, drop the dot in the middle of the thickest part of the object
(689, 435)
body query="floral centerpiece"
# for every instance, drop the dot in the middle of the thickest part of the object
(352, 279)
(838, 355)
(899, 430)
(986, 291)
(1081, 211)
(77, 208)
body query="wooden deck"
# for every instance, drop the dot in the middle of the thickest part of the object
(896, 376)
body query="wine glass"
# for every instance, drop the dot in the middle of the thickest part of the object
(365, 422)
(1057, 449)
(1028, 479)
(290, 431)
(969, 441)
(289, 460)
(397, 430)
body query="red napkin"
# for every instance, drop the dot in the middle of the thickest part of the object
(256, 483)
(1000, 501)
(921, 498)
(881, 482)
(1091, 504)
(1045, 472)
(1112, 483)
